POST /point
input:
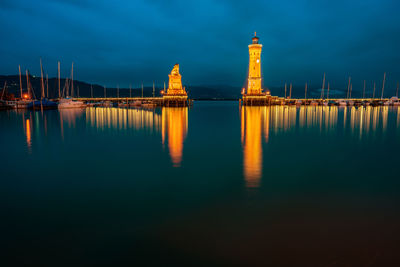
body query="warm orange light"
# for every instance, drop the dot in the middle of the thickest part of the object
(175, 83)
(252, 146)
(25, 96)
(254, 122)
(174, 125)
(118, 119)
(254, 78)
(28, 133)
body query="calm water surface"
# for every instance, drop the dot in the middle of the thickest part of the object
(211, 185)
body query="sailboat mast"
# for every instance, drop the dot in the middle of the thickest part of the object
(142, 90)
(351, 88)
(41, 78)
(305, 92)
(327, 97)
(323, 87)
(20, 80)
(290, 91)
(364, 90)
(27, 84)
(373, 94)
(59, 87)
(285, 89)
(4, 89)
(72, 80)
(66, 87)
(105, 92)
(47, 84)
(153, 89)
(383, 84)
(348, 87)
(67, 94)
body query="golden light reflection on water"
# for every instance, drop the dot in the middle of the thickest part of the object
(269, 122)
(258, 125)
(123, 119)
(398, 117)
(28, 133)
(172, 124)
(70, 116)
(368, 121)
(175, 127)
(287, 118)
(360, 121)
(255, 125)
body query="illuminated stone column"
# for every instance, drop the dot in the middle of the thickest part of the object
(254, 78)
(175, 82)
(176, 95)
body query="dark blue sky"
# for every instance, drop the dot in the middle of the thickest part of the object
(122, 42)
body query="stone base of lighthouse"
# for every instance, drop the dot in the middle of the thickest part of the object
(256, 100)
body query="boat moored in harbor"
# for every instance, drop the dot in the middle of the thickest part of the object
(4, 105)
(42, 104)
(70, 103)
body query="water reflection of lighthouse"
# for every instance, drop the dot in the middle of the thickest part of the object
(175, 127)
(255, 124)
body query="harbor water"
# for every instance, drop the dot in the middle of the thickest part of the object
(209, 185)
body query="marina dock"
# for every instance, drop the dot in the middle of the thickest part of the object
(267, 100)
(165, 101)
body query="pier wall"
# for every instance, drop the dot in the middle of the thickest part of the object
(169, 101)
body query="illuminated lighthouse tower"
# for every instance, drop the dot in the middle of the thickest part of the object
(254, 94)
(254, 79)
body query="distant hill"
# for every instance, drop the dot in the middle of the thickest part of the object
(312, 92)
(83, 89)
(214, 92)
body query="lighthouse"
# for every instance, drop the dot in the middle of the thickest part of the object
(254, 78)
(254, 95)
